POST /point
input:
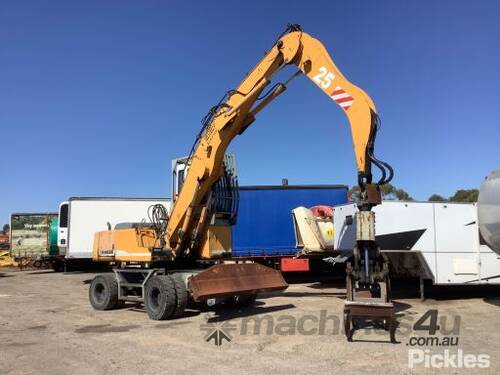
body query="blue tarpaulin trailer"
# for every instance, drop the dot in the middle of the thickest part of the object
(264, 226)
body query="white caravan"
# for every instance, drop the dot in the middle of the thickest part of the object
(429, 240)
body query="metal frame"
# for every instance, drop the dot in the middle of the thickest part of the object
(360, 307)
(294, 187)
(124, 283)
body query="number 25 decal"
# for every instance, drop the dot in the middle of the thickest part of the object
(324, 78)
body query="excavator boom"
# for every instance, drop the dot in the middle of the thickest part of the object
(234, 114)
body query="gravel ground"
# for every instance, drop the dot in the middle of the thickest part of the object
(48, 327)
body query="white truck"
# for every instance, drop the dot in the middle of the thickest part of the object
(439, 241)
(81, 217)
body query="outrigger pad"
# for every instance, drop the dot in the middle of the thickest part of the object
(224, 280)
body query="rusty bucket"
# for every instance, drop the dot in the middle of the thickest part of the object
(223, 280)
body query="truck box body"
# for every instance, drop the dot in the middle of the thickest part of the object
(33, 235)
(82, 217)
(265, 225)
(432, 240)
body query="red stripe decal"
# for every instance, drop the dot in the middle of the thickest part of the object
(336, 92)
(342, 100)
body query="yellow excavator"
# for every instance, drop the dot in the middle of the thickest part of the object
(187, 253)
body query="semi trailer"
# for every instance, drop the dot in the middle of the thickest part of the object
(436, 241)
(489, 210)
(264, 232)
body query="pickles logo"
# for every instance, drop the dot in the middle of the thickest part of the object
(447, 359)
(440, 334)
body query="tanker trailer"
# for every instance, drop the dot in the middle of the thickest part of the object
(489, 210)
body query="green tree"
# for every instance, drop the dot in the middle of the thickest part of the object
(389, 192)
(463, 195)
(437, 198)
(6, 228)
(392, 193)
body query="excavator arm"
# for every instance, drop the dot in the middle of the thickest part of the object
(238, 110)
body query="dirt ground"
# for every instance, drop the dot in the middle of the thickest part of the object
(48, 327)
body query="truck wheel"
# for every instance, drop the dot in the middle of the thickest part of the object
(58, 266)
(181, 294)
(103, 292)
(159, 297)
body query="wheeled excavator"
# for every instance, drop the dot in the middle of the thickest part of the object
(187, 253)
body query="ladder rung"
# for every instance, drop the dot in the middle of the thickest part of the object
(131, 285)
(131, 299)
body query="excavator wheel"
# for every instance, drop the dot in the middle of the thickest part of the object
(103, 292)
(160, 298)
(181, 295)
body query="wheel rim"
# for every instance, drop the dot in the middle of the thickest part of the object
(99, 293)
(154, 298)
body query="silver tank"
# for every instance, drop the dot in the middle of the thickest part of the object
(489, 210)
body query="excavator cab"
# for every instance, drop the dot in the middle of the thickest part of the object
(222, 203)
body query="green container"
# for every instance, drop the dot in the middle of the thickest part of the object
(53, 249)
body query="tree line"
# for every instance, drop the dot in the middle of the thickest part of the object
(391, 192)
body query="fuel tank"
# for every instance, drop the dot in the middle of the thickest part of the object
(489, 210)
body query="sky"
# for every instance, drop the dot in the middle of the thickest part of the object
(97, 97)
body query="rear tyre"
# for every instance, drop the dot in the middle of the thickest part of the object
(103, 292)
(159, 297)
(181, 294)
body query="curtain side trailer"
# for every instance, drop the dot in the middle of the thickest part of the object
(265, 232)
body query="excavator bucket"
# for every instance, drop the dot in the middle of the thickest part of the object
(224, 280)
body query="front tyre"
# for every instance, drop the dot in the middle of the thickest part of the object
(103, 292)
(160, 298)
(181, 295)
